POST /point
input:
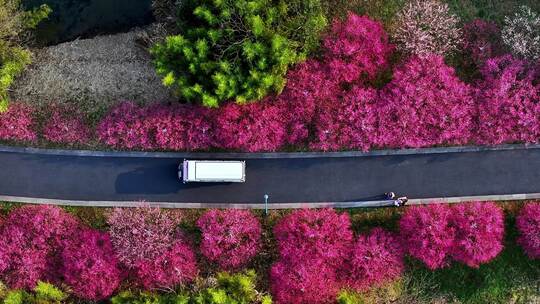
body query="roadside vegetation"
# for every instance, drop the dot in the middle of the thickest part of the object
(416, 76)
(424, 254)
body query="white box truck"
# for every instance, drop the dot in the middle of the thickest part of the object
(212, 171)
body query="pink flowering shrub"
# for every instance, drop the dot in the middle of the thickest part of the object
(174, 266)
(251, 127)
(125, 126)
(31, 241)
(348, 121)
(17, 123)
(426, 27)
(375, 258)
(180, 127)
(141, 233)
(314, 234)
(230, 237)
(424, 105)
(528, 225)
(89, 265)
(66, 126)
(482, 41)
(307, 85)
(479, 232)
(308, 282)
(508, 99)
(356, 49)
(427, 233)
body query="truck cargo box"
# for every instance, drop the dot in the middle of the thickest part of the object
(230, 171)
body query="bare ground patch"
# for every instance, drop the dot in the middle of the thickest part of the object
(93, 73)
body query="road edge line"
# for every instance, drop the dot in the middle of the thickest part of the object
(273, 155)
(339, 205)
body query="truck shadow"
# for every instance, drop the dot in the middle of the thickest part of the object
(148, 180)
(161, 179)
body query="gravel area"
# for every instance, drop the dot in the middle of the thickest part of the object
(93, 72)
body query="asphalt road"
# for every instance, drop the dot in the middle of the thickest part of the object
(286, 180)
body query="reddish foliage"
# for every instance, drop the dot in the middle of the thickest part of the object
(314, 234)
(181, 127)
(375, 259)
(172, 267)
(427, 233)
(307, 84)
(308, 282)
(89, 265)
(356, 49)
(348, 121)
(482, 40)
(178, 127)
(479, 232)
(252, 127)
(230, 238)
(31, 241)
(125, 127)
(508, 99)
(141, 233)
(528, 225)
(424, 105)
(65, 126)
(17, 123)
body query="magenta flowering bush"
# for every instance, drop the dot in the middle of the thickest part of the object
(89, 265)
(427, 234)
(147, 241)
(180, 127)
(230, 237)
(482, 41)
(508, 99)
(375, 258)
(347, 122)
(174, 266)
(313, 245)
(424, 105)
(307, 85)
(125, 126)
(308, 282)
(141, 233)
(31, 241)
(17, 123)
(356, 49)
(251, 127)
(528, 225)
(479, 232)
(66, 126)
(314, 234)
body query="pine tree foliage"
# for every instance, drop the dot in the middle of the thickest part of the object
(236, 49)
(14, 24)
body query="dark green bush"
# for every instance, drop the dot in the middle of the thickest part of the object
(492, 10)
(14, 24)
(237, 49)
(381, 10)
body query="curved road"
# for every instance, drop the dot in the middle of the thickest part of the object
(287, 178)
